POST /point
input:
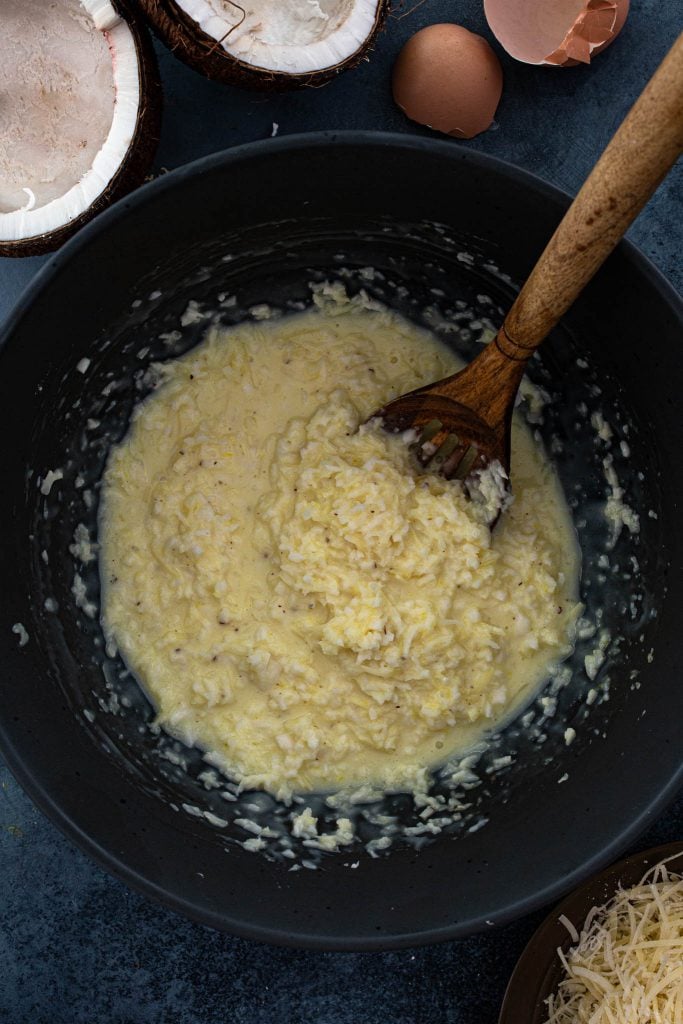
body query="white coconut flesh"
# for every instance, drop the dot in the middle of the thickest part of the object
(290, 36)
(69, 99)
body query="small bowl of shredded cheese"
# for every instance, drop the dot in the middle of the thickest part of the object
(611, 953)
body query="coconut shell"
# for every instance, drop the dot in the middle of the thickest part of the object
(184, 37)
(138, 160)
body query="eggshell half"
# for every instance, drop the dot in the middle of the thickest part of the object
(448, 79)
(555, 32)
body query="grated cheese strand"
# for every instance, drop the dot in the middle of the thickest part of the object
(626, 965)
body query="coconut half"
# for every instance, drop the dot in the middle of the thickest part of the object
(80, 106)
(268, 44)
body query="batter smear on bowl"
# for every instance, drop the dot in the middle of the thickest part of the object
(297, 598)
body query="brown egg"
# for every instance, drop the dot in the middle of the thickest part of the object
(449, 79)
(560, 33)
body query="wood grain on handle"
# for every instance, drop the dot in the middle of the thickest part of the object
(645, 147)
(476, 404)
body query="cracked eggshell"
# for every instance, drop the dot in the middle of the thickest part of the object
(448, 79)
(560, 33)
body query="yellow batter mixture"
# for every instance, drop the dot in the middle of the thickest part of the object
(291, 594)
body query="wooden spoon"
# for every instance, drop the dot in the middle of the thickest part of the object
(467, 418)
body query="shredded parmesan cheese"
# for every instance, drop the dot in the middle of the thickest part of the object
(626, 965)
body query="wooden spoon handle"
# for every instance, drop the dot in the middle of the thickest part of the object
(645, 147)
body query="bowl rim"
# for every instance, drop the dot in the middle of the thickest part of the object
(34, 786)
(305, 140)
(537, 972)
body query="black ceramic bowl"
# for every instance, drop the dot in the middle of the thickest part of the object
(445, 227)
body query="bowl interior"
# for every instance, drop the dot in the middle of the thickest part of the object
(77, 728)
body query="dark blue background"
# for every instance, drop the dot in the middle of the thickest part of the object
(76, 947)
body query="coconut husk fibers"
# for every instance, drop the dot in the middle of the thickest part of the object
(183, 36)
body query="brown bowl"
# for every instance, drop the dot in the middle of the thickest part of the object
(539, 970)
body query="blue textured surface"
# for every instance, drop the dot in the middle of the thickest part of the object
(76, 947)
